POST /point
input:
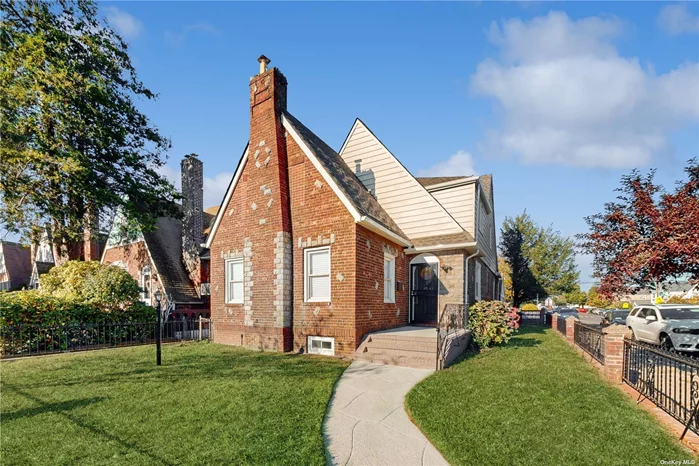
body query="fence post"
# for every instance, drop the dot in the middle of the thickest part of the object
(614, 351)
(570, 327)
(554, 321)
(199, 328)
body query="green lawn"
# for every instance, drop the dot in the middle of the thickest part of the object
(535, 402)
(207, 404)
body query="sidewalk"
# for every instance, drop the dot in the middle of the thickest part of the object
(366, 423)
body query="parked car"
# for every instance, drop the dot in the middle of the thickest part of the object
(671, 326)
(616, 316)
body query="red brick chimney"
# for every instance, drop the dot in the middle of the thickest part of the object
(269, 220)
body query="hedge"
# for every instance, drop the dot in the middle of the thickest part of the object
(39, 309)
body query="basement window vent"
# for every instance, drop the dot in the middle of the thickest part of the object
(321, 345)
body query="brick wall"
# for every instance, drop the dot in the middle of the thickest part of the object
(372, 313)
(134, 256)
(319, 218)
(256, 225)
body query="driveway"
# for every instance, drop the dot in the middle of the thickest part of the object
(366, 423)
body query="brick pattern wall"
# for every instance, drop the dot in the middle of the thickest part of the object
(254, 222)
(451, 278)
(372, 313)
(320, 219)
(135, 257)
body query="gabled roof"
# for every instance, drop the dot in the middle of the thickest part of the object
(344, 178)
(165, 248)
(18, 262)
(433, 180)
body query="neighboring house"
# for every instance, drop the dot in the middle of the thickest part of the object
(43, 260)
(15, 266)
(681, 289)
(312, 249)
(171, 257)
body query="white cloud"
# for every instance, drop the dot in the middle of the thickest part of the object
(126, 25)
(458, 164)
(676, 19)
(568, 98)
(177, 38)
(214, 188)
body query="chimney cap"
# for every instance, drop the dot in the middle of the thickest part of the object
(264, 61)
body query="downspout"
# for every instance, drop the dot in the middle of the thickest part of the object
(475, 254)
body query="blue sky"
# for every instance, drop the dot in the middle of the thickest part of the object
(556, 100)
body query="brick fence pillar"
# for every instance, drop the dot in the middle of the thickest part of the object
(570, 326)
(554, 321)
(614, 351)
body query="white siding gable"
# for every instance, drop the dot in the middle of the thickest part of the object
(415, 211)
(459, 202)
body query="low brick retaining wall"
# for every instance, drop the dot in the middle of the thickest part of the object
(613, 367)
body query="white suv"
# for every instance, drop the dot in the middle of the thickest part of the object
(672, 326)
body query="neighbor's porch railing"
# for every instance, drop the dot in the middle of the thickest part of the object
(590, 339)
(31, 340)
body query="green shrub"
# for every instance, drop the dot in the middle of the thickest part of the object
(40, 309)
(105, 286)
(529, 307)
(491, 323)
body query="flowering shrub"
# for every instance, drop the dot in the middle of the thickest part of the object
(529, 307)
(678, 300)
(492, 323)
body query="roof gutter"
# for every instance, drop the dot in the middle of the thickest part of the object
(440, 247)
(371, 224)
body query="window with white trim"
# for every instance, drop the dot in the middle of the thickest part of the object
(316, 275)
(234, 281)
(477, 290)
(321, 345)
(146, 284)
(389, 279)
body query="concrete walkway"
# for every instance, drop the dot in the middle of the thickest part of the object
(366, 423)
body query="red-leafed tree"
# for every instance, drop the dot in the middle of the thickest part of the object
(646, 236)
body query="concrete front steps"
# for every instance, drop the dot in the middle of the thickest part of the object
(414, 347)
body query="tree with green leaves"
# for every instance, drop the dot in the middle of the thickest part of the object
(74, 146)
(524, 285)
(550, 255)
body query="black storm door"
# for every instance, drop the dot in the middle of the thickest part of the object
(424, 288)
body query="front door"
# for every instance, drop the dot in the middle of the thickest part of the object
(424, 288)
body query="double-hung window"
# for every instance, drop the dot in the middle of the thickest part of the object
(389, 279)
(234, 281)
(316, 275)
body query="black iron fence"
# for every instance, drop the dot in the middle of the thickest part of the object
(561, 324)
(30, 340)
(532, 317)
(668, 379)
(590, 339)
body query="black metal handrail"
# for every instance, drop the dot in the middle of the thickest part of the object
(590, 339)
(30, 340)
(453, 318)
(668, 379)
(561, 325)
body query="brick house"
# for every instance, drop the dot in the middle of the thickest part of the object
(171, 257)
(15, 266)
(313, 249)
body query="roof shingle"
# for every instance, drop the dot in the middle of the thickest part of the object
(344, 177)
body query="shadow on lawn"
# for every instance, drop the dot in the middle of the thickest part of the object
(79, 421)
(235, 365)
(47, 407)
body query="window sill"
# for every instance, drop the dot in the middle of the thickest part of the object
(234, 302)
(389, 302)
(318, 300)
